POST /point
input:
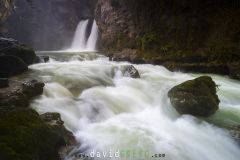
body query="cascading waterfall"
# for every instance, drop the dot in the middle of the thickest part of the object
(80, 41)
(108, 111)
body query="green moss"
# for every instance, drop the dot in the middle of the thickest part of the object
(23, 135)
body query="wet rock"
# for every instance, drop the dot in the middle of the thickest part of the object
(4, 82)
(20, 93)
(234, 70)
(32, 88)
(213, 67)
(234, 130)
(11, 65)
(12, 47)
(41, 59)
(55, 122)
(196, 97)
(130, 71)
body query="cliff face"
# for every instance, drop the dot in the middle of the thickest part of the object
(170, 26)
(46, 24)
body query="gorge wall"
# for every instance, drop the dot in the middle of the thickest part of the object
(157, 27)
(46, 24)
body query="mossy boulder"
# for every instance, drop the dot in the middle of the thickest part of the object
(196, 97)
(24, 135)
(12, 47)
(11, 65)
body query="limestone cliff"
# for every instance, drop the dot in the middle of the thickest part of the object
(187, 35)
(161, 26)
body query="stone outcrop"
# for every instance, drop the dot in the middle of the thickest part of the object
(19, 93)
(196, 97)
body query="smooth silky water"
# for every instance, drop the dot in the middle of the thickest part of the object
(109, 112)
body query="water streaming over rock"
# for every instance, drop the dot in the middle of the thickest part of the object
(109, 112)
(81, 42)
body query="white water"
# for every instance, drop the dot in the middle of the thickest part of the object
(80, 41)
(106, 110)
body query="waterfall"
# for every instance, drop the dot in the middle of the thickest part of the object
(80, 41)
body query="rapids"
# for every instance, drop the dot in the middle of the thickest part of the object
(111, 113)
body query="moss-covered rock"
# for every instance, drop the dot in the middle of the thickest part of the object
(11, 65)
(196, 97)
(23, 135)
(12, 47)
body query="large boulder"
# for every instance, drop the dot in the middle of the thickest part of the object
(11, 65)
(196, 97)
(12, 47)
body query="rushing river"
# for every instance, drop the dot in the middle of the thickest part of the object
(122, 117)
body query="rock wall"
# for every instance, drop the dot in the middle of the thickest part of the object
(46, 24)
(170, 26)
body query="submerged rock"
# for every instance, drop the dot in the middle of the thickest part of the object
(20, 93)
(196, 97)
